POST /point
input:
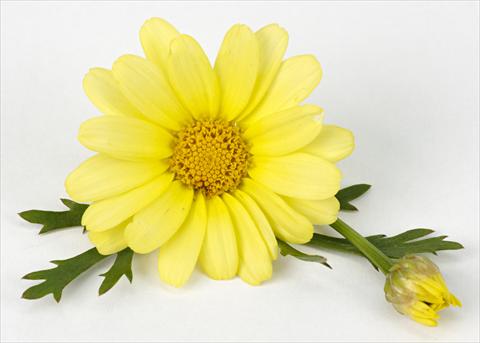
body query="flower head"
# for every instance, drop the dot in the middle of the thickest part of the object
(416, 288)
(208, 164)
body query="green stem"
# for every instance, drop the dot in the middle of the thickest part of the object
(378, 258)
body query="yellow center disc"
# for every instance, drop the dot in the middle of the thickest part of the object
(210, 156)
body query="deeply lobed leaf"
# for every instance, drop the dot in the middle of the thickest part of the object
(350, 193)
(286, 249)
(56, 279)
(54, 220)
(408, 242)
(121, 266)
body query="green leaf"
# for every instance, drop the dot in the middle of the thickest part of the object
(286, 249)
(54, 220)
(121, 266)
(350, 193)
(56, 279)
(408, 242)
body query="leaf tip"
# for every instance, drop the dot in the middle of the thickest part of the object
(455, 245)
(67, 202)
(30, 294)
(129, 276)
(104, 288)
(44, 229)
(346, 206)
(25, 215)
(57, 296)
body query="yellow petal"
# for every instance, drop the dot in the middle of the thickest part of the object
(178, 256)
(332, 144)
(297, 175)
(272, 43)
(319, 212)
(125, 138)
(110, 241)
(280, 118)
(297, 78)
(101, 177)
(156, 35)
(454, 301)
(156, 223)
(148, 89)
(105, 214)
(193, 78)
(236, 67)
(285, 132)
(104, 92)
(219, 254)
(261, 222)
(255, 263)
(287, 224)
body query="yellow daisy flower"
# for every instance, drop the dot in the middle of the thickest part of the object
(209, 164)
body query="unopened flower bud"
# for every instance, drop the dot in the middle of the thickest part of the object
(416, 288)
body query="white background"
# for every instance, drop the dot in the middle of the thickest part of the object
(402, 76)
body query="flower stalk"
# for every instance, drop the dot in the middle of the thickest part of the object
(414, 285)
(377, 257)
